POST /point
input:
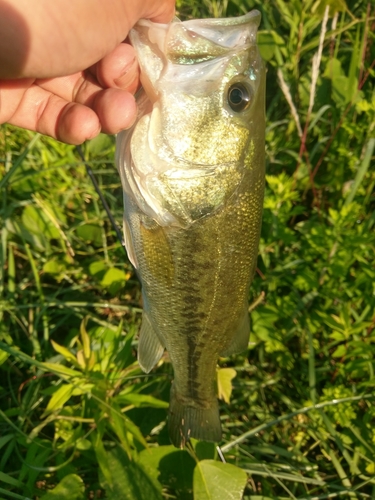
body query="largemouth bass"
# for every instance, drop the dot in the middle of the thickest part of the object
(192, 169)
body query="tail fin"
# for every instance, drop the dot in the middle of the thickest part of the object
(185, 422)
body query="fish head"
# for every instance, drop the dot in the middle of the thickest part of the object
(201, 122)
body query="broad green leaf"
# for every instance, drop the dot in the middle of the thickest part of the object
(340, 351)
(64, 352)
(59, 398)
(98, 268)
(337, 336)
(91, 233)
(141, 400)
(102, 458)
(128, 479)
(99, 145)
(224, 383)
(37, 241)
(133, 429)
(170, 466)
(343, 88)
(114, 279)
(216, 481)
(54, 267)
(61, 370)
(204, 450)
(331, 322)
(266, 44)
(83, 388)
(37, 222)
(121, 423)
(71, 487)
(3, 356)
(117, 423)
(83, 444)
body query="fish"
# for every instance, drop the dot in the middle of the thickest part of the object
(192, 169)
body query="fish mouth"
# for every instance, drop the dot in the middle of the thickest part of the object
(190, 42)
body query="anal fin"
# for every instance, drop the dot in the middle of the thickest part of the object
(240, 340)
(150, 349)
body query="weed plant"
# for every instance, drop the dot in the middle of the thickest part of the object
(78, 418)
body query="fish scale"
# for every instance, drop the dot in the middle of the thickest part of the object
(192, 170)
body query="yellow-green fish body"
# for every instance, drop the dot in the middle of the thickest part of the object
(192, 169)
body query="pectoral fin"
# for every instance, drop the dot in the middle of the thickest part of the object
(241, 339)
(128, 242)
(150, 349)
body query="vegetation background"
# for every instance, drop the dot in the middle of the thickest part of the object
(78, 419)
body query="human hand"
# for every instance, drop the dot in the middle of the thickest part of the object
(73, 83)
(76, 107)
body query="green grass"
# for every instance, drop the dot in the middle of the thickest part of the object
(76, 412)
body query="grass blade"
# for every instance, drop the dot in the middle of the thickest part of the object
(361, 172)
(4, 181)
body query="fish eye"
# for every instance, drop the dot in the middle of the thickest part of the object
(239, 96)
